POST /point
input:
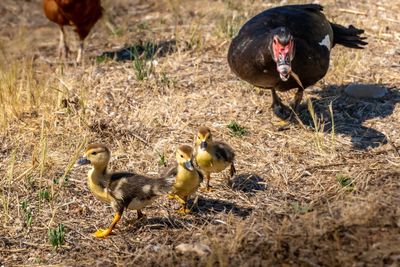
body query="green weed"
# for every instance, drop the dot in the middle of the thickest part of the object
(44, 194)
(143, 61)
(162, 159)
(56, 236)
(300, 208)
(345, 181)
(236, 129)
(27, 213)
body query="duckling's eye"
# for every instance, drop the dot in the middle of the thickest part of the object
(181, 156)
(94, 153)
(198, 137)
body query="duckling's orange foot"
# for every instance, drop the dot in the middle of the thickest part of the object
(206, 189)
(101, 233)
(183, 210)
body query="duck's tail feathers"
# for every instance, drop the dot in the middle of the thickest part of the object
(349, 37)
(168, 178)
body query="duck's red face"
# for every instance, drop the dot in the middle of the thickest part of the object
(283, 55)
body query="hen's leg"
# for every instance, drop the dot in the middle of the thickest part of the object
(62, 47)
(80, 52)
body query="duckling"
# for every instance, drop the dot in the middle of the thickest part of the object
(123, 190)
(187, 179)
(212, 156)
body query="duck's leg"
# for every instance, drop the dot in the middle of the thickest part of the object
(62, 47)
(140, 214)
(296, 103)
(183, 201)
(280, 110)
(208, 187)
(232, 172)
(297, 99)
(106, 232)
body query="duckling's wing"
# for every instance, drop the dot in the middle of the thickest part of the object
(119, 175)
(127, 187)
(223, 152)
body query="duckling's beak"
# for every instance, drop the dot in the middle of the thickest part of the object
(189, 165)
(203, 145)
(82, 161)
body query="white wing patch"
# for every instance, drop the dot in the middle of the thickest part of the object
(326, 42)
(146, 188)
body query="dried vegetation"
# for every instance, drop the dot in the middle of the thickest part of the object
(326, 192)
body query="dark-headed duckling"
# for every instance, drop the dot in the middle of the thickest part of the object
(123, 190)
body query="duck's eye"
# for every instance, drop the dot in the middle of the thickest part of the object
(181, 156)
(198, 137)
(94, 153)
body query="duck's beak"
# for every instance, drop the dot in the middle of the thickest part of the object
(203, 145)
(189, 165)
(283, 56)
(82, 161)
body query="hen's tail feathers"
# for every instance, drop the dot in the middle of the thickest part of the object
(349, 37)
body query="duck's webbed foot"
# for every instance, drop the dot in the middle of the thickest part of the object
(280, 110)
(101, 233)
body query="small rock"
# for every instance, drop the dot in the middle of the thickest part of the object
(199, 249)
(365, 91)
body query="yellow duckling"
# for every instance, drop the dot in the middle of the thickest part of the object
(123, 190)
(212, 156)
(187, 179)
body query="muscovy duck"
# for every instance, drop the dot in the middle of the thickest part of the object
(288, 47)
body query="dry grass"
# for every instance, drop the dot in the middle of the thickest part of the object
(307, 196)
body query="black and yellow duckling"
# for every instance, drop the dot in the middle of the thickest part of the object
(187, 177)
(212, 156)
(123, 190)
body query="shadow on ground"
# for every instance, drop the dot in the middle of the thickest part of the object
(248, 183)
(350, 113)
(210, 205)
(175, 221)
(145, 50)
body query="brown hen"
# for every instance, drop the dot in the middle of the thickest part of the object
(81, 14)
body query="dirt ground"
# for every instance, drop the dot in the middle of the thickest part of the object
(325, 192)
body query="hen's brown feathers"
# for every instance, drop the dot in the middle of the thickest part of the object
(82, 14)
